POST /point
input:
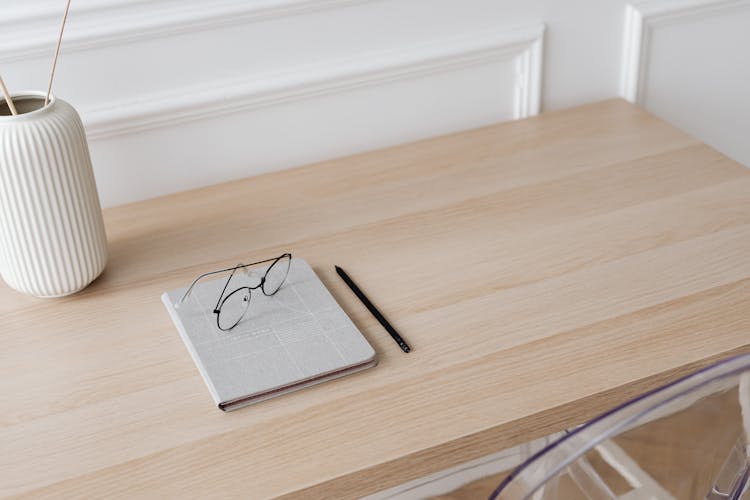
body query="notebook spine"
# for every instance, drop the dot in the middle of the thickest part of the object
(191, 349)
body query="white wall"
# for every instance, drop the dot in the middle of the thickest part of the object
(688, 61)
(179, 94)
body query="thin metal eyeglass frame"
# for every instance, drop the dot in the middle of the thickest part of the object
(222, 298)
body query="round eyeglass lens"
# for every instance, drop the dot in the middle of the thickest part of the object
(233, 308)
(276, 274)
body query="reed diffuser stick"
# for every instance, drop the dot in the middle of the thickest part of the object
(57, 51)
(6, 94)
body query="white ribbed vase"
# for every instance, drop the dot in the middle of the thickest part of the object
(52, 239)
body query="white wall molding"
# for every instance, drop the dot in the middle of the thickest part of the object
(641, 18)
(529, 77)
(28, 31)
(524, 44)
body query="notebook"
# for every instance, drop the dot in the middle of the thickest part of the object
(294, 339)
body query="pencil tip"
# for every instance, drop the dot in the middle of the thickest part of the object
(337, 268)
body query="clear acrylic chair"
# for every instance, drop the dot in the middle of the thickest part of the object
(685, 440)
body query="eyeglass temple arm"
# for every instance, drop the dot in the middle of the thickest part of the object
(190, 288)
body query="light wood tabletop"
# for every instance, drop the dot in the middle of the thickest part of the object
(542, 271)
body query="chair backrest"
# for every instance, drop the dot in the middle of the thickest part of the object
(687, 439)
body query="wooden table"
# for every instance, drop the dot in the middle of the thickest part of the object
(542, 271)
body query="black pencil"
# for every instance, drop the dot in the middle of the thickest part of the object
(374, 310)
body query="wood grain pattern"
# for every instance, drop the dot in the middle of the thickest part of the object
(542, 271)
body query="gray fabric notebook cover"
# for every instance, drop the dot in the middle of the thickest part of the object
(298, 337)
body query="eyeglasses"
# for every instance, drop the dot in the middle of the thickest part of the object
(231, 307)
